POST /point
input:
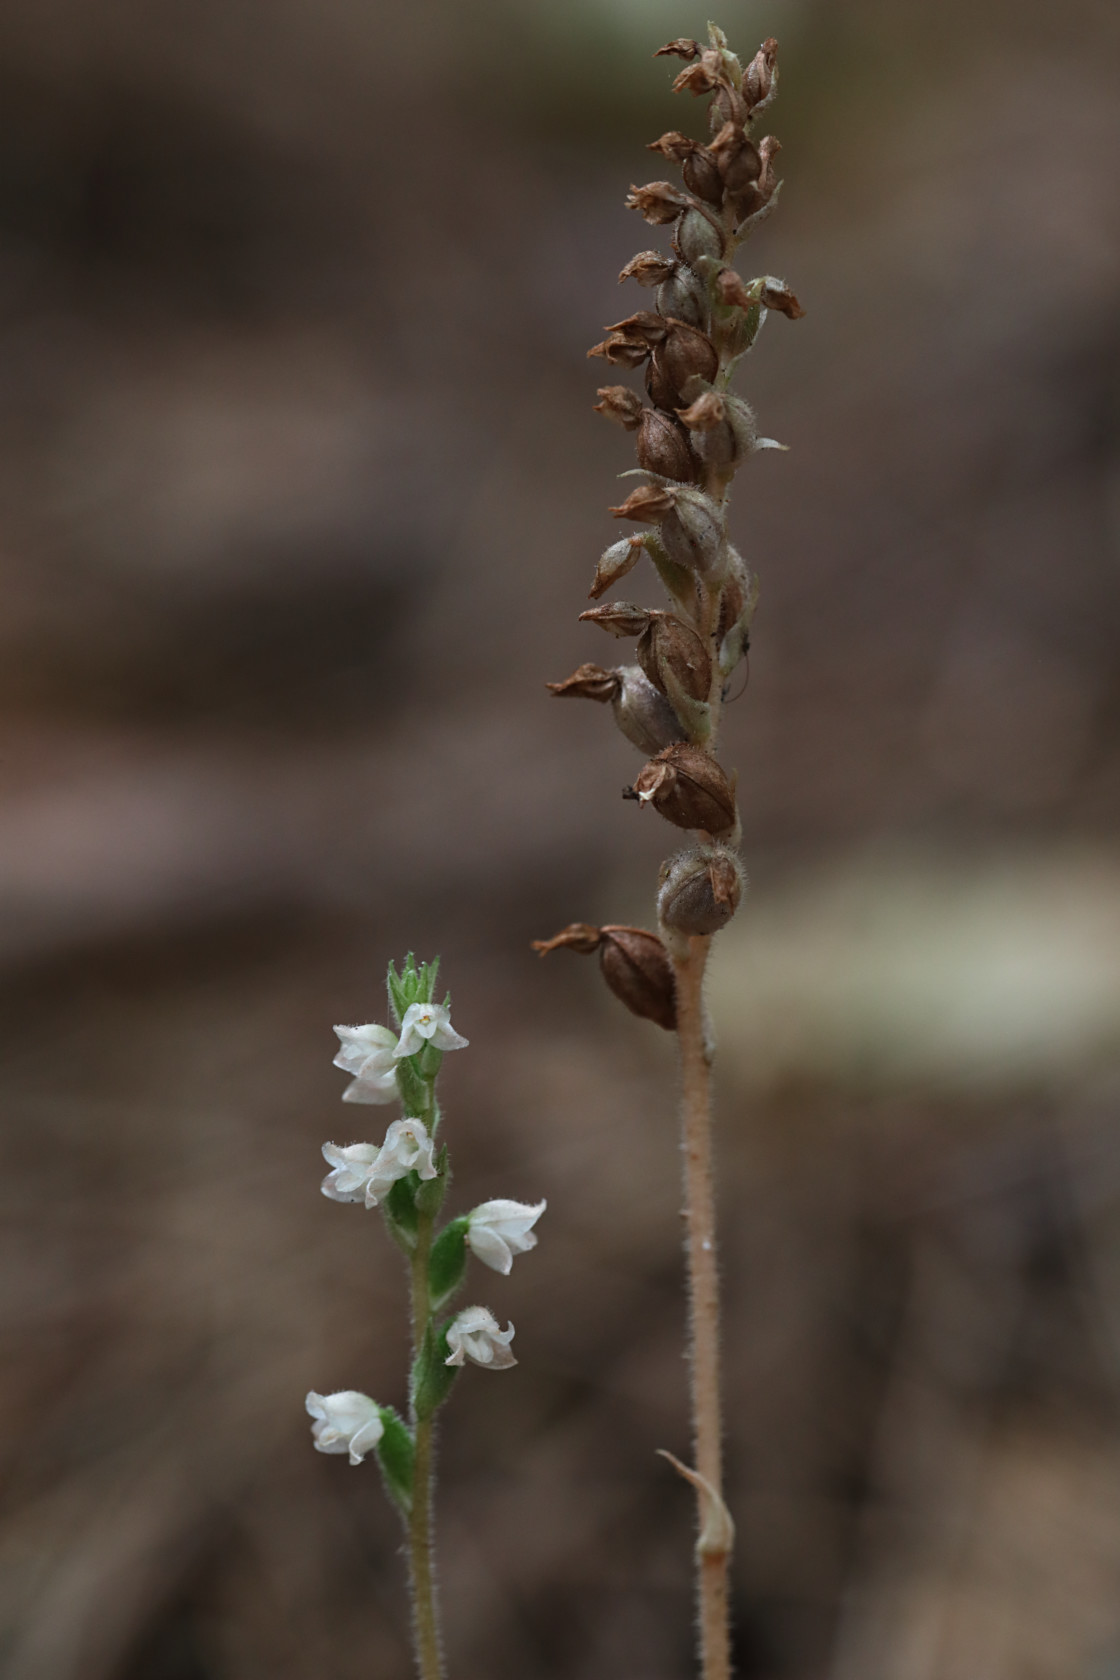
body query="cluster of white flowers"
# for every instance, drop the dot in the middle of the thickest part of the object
(495, 1231)
(371, 1053)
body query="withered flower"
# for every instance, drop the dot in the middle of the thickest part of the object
(620, 404)
(658, 201)
(614, 563)
(621, 351)
(588, 682)
(649, 503)
(647, 325)
(642, 712)
(682, 47)
(618, 618)
(634, 963)
(700, 889)
(648, 268)
(697, 80)
(686, 785)
(777, 295)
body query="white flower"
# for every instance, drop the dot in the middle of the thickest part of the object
(364, 1173)
(352, 1166)
(428, 1021)
(473, 1334)
(345, 1422)
(499, 1230)
(367, 1053)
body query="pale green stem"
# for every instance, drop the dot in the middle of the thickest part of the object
(421, 1549)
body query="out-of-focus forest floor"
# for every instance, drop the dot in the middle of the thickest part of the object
(300, 496)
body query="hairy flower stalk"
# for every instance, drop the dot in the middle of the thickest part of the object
(691, 438)
(407, 1176)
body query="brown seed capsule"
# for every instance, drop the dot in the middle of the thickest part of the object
(760, 78)
(682, 47)
(634, 963)
(696, 236)
(621, 351)
(702, 177)
(671, 653)
(658, 201)
(614, 563)
(685, 354)
(737, 158)
(648, 268)
(700, 889)
(686, 785)
(642, 712)
(682, 294)
(663, 447)
(618, 618)
(589, 682)
(620, 404)
(650, 503)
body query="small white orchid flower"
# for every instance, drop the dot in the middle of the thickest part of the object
(474, 1334)
(367, 1053)
(352, 1165)
(364, 1173)
(345, 1422)
(498, 1230)
(428, 1023)
(407, 1148)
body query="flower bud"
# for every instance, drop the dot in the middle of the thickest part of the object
(682, 295)
(686, 785)
(589, 682)
(684, 354)
(760, 78)
(663, 447)
(696, 236)
(643, 713)
(620, 404)
(673, 655)
(700, 889)
(648, 268)
(614, 563)
(659, 202)
(634, 964)
(618, 618)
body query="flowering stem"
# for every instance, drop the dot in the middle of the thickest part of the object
(713, 1552)
(421, 1549)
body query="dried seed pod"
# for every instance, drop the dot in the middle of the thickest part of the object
(588, 682)
(643, 713)
(672, 654)
(713, 437)
(696, 236)
(686, 785)
(760, 78)
(648, 268)
(662, 447)
(700, 889)
(659, 202)
(684, 354)
(682, 295)
(614, 563)
(620, 404)
(634, 963)
(618, 618)
(737, 158)
(693, 534)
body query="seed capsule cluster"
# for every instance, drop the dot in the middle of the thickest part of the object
(691, 435)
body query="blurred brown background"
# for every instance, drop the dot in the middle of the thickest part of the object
(301, 494)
